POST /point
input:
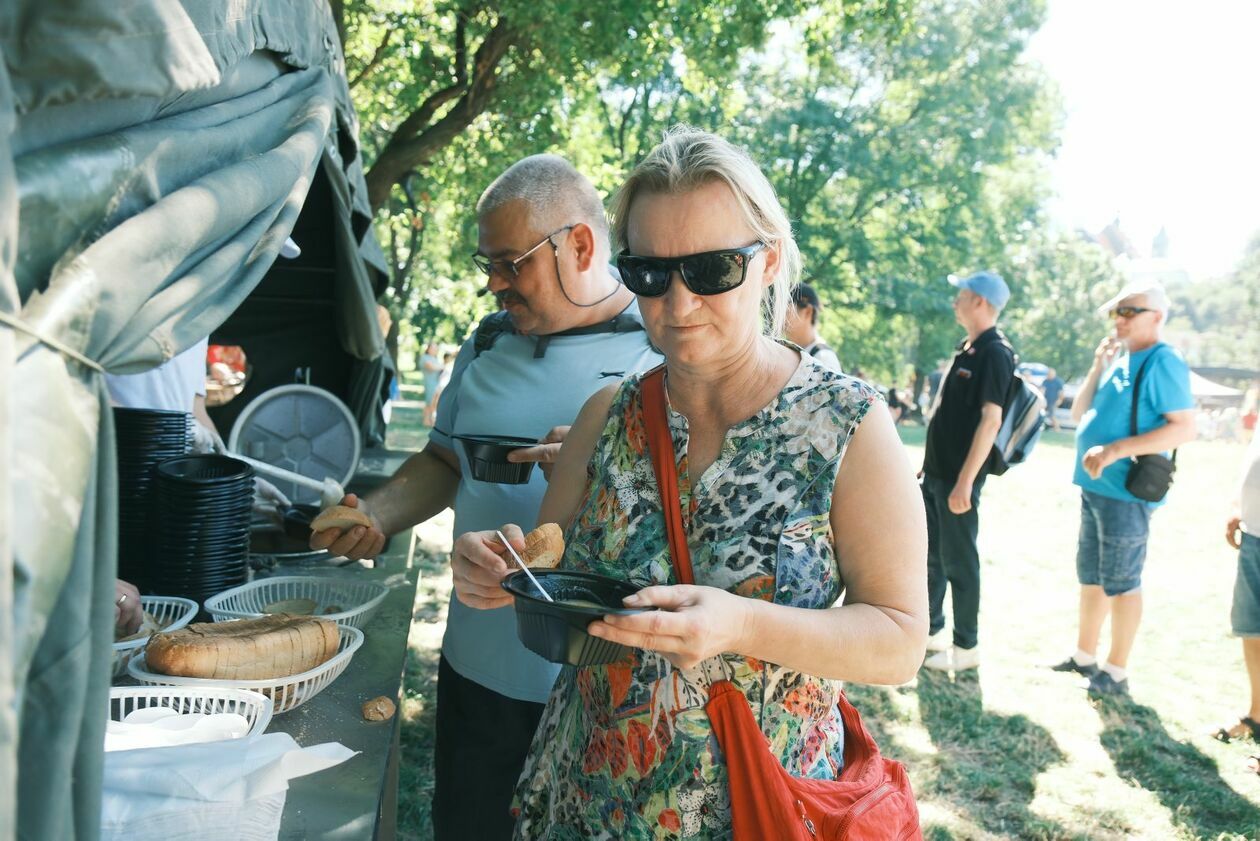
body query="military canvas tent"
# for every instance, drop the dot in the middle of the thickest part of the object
(154, 156)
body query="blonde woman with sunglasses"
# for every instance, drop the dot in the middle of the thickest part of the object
(805, 527)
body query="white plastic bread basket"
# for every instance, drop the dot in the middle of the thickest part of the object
(286, 693)
(171, 613)
(353, 601)
(254, 707)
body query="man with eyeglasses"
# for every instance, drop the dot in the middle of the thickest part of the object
(1111, 548)
(566, 328)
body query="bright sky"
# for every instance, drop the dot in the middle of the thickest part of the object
(1163, 122)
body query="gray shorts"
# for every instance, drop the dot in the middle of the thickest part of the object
(1111, 548)
(1245, 615)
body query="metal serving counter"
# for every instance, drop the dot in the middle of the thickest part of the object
(358, 798)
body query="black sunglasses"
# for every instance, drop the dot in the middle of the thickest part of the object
(708, 273)
(1127, 312)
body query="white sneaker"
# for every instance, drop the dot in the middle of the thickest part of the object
(938, 641)
(966, 658)
(953, 659)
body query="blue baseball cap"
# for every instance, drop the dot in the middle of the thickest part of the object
(987, 285)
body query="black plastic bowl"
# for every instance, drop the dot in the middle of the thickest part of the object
(207, 471)
(557, 632)
(487, 456)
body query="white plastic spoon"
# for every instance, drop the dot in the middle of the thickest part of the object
(521, 564)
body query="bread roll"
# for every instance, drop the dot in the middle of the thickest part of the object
(340, 517)
(246, 649)
(544, 547)
(379, 709)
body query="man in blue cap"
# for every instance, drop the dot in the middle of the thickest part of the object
(957, 459)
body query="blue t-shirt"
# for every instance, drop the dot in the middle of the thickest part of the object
(506, 391)
(1165, 388)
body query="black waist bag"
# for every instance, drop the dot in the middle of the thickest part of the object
(1150, 476)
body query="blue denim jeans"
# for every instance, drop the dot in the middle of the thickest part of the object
(1111, 549)
(1245, 617)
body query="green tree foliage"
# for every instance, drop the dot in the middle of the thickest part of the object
(907, 137)
(1216, 320)
(435, 69)
(906, 158)
(902, 153)
(450, 93)
(1054, 319)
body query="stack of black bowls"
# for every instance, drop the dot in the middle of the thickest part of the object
(144, 438)
(201, 514)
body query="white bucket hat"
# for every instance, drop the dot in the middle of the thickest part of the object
(1153, 290)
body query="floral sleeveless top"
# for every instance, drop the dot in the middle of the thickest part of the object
(625, 750)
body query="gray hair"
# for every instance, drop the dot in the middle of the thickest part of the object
(555, 193)
(688, 158)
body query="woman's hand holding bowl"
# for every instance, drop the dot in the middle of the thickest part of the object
(479, 561)
(692, 624)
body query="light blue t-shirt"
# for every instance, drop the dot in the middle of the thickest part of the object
(1165, 388)
(507, 391)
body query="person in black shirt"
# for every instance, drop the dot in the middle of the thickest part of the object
(959, 443)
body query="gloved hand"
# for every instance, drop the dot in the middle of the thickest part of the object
(205, 441)
(269, 501)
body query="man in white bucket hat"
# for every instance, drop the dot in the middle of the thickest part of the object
(1132, 367)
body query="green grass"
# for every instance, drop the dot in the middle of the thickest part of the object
(1015, 750)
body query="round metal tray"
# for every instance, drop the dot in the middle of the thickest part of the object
(303, 429)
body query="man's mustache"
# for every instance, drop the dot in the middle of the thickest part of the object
(506, 297)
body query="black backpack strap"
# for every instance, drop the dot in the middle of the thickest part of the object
(489, 330)
(1137, 393)
(499, 323)
(1001, 339)
(1016, 380)
(622, 322)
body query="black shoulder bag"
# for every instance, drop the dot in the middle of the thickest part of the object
(1150, 476)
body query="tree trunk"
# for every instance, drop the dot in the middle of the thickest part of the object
(419, 138)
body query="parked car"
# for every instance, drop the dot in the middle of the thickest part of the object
(1033, 372)
(1036, 373)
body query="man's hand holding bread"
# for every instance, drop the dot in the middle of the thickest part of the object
(348, 529)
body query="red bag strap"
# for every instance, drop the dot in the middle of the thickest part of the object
(661, 449)
(859, 747)
(766, 802)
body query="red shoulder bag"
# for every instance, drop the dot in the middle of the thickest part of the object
(870, 800)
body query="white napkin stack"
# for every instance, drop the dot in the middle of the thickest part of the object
(231, 790)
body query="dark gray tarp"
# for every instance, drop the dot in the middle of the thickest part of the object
(286, 323)
(153, 157)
